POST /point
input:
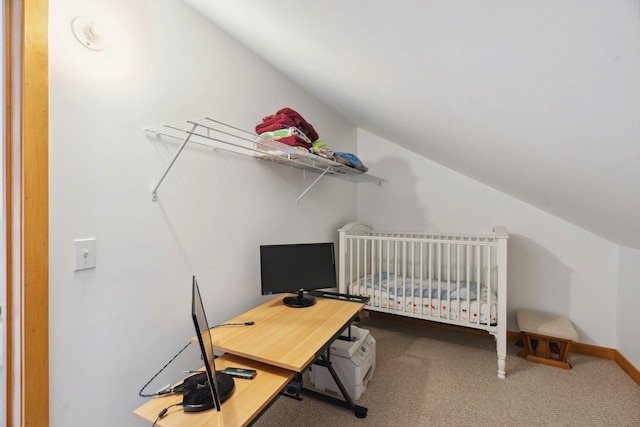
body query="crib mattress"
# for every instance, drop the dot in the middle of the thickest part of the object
(457, 301)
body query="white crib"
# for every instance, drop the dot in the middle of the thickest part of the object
(448, 278)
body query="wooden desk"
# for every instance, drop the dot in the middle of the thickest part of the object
(249, 398)
(291, 338)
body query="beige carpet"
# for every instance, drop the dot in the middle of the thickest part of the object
(436, 377)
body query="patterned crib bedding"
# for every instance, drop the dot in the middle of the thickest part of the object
(457, 301)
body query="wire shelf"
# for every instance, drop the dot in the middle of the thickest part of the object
(218, 135)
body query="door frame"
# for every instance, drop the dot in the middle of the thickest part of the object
(27, 208)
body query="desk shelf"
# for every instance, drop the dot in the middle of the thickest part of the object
(221, 136)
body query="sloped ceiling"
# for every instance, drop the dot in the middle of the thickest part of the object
(540, 100)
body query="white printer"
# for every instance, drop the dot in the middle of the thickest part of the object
(354, 362)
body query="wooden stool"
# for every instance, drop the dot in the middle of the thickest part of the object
(546, 336)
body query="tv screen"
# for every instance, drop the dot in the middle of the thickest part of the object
(218, 386)
(297, 268)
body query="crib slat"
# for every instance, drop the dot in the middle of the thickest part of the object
(488, 284)
(468, 263)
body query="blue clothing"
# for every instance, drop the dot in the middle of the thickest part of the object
(351, 158)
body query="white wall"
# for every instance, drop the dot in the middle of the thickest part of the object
(628, 299)
(113, 327)
(552, 265)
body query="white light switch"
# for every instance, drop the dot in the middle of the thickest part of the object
(85, 253)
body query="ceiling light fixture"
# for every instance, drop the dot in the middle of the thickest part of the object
(88, 33)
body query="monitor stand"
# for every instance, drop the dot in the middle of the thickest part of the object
(301, 300)
(199, 398)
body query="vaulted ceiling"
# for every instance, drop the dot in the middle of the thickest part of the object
(539, 100)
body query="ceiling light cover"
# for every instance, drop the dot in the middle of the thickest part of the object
(88, 33)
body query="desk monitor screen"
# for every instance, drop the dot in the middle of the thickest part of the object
(218, 386)
(297, 268)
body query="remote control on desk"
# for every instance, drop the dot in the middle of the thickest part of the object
(248, 374)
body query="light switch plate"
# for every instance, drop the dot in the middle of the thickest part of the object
(85, 251)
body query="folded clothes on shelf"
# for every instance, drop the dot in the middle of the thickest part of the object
(286, 118)
(350, 159)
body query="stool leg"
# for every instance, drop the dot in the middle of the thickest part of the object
(543, 347)
(564, 349)
(527, 345)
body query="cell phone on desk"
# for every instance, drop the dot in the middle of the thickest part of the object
(248, 374)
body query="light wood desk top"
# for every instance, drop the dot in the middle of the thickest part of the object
(283, 336)
(249, 398)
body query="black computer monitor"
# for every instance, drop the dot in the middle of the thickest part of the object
(297, 268)
(218, 386)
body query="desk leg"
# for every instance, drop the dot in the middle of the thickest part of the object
(359, 411)
(293, 388)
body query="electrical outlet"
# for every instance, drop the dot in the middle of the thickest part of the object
(85, 250)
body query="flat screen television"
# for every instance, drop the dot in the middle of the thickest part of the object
(216, 387)
(297, 268)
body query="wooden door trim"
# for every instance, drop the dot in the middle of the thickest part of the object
(27, 212)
